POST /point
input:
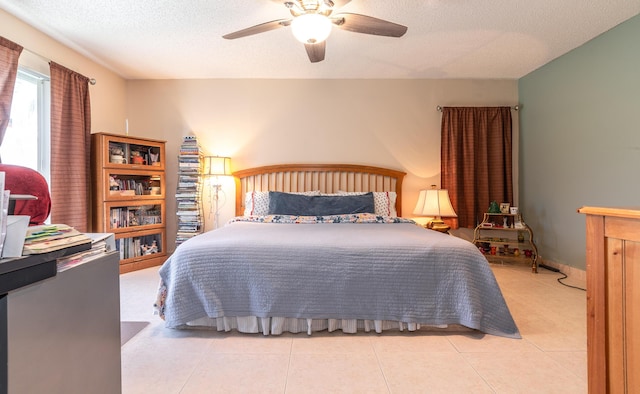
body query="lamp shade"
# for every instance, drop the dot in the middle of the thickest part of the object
(311, 28)
(217, 166)
(434, 203)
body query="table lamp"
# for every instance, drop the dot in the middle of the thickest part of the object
(435, 203)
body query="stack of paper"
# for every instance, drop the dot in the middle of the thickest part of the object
(47, 238)
(100, 244)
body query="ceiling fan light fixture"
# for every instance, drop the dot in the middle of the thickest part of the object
(311, 28)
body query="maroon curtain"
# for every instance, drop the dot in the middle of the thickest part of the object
(9, 54)
(476, 160)
(70, 148)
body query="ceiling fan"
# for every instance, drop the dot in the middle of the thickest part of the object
(312, 22)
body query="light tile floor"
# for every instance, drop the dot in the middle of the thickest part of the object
(551, 357)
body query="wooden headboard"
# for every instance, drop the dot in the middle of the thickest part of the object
(328, 178)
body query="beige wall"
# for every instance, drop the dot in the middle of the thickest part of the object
(388, 123)
(108, 96)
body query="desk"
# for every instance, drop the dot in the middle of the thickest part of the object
(16, 273)
(59, 331)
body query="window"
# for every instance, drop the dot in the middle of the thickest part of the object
(26, 141)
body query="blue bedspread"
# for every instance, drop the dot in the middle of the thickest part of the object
(352, 267)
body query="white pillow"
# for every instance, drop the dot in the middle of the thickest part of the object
(257, 203)
(384, 202)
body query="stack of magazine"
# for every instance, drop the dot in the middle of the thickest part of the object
(79, 247)
(100, 244)
(189, 191)
(49, 238)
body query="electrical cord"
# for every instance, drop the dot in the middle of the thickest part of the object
(560, 280)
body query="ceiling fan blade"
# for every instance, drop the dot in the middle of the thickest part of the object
(261, 28)
(316, 51)
(368, 25)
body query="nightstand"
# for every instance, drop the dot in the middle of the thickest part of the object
(505, 236)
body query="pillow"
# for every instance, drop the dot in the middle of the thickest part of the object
(385, 202)
(291, 204)
(257, 203)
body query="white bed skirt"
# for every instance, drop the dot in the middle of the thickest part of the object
(278, 325)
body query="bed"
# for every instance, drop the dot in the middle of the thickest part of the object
(325, 247)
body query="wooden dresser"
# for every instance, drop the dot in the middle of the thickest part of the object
(613, 299)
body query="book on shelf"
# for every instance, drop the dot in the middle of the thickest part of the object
(189, 218)
(190, 195)
(138, 246)
(135, 216)
(189, 226)
(188, 221)
(188, 212)
(188, 158)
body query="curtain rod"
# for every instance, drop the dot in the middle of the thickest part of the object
(92, 81)
(515, 108)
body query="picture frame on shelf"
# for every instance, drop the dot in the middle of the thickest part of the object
(504, 207)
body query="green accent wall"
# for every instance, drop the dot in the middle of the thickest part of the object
(580, 139)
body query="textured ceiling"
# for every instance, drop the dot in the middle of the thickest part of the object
(176, 39)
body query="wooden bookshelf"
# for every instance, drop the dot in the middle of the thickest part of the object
(128, 194)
